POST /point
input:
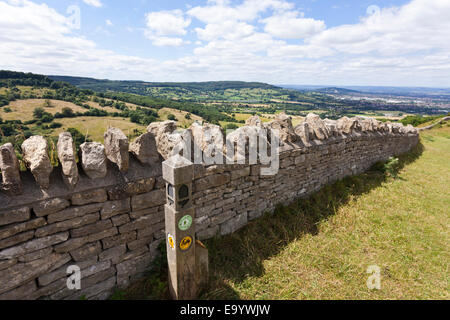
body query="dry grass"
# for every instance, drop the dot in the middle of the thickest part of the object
(96, 126)
(23, 109)
(182, 122)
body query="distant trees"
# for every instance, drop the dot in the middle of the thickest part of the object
(171, 117)
(67, 112)
(40, 114)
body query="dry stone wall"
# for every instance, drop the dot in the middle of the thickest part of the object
(106, 213)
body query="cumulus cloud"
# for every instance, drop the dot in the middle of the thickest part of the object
(163, 24)
(289, 25)
(406, 45)
(94, 3)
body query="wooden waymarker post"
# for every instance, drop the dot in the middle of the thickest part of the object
(184, 278)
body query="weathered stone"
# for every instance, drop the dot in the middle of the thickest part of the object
(211, 181)
(86, 251)
(113, 253)
(71, 244)
(7, 263)
(61, 272)
(20, 293)
(95, 290)
(98, 195)
(221, 218)
(21, 227)
(66, 225)
(18, 238)
(302, 130)
(125, 190)
(9, 166)
(33, 245)
(22, 273)
(129, 267)
(233, 224)
(345, 125)
(317, 128)
(118, 239)
(91, 228)
(35, 155)
(66, 156)
(283, 124)
(120, 220)
(244, 139)
(74, 212)
(36, 255)
(254, 121)
(148, 231)
(93, 159)
(95, 268)
(144, 212)
(112, 208)
(116, 148)
(53, 287)
(139, 243)
(236, 174)
(148, 200)
(210, 139)
(102, 234)
(50, 206)
(208, 233)
(141, 223)
(168, 140)
(145, 150)
(332, 126)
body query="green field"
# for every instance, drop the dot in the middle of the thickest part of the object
(321, 247)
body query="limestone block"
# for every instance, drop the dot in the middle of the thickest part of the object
(66, 156)
(283, 123)
(97, 195)
(33, 245)
(116, 148)
(14, 215)
(93, 159)
(145, 149)
(50, 206)
(35, 155)
(9, 166)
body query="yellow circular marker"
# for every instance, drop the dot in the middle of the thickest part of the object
(186, 243)
(171, 241)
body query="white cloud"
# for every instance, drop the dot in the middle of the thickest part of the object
(248, 10)
(109, 23)
(94, 3)
(288, 25)
(163, 24)
(406, 45)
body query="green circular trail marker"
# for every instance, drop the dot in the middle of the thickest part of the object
(185, 222)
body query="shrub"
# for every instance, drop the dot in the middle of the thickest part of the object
(55, 125)
(231, 126)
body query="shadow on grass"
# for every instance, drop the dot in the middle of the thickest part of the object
(240, 255)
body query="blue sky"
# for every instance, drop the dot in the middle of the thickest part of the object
(323, 42)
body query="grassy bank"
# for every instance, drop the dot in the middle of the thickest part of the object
(321, 247)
